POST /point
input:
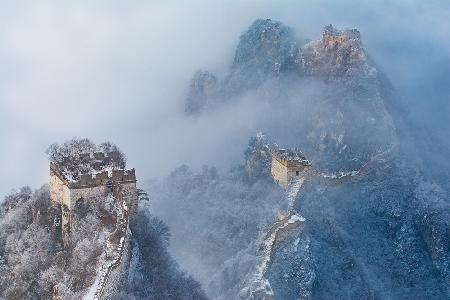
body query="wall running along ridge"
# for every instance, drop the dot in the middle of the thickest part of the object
(122, 186)
(286, 171)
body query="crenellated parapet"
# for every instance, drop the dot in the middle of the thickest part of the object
(94, 179)
(94, 186)
(290, 161)
(289, 165)
(124, 175)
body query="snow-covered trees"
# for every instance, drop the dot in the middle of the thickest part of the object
(81, 156)
(154, 274)
(215, 216)
(33, 267)
(25, 246)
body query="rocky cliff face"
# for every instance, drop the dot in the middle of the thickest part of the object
(317, 91)
(202, 91)
(384, 233)
(269, 49)
(339, 55)
(265, 50)
(368, 240)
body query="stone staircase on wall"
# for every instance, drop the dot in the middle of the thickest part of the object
(114, 251)
(258, 285)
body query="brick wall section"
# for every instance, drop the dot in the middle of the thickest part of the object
(89, 187)
(285, 171)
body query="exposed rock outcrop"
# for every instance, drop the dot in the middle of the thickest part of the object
(339, 56)
(202, 90)
(373, 229)
(319, 91)
(265, 50)
(269, 49)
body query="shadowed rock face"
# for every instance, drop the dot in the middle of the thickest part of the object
(201, 91)
(266, 49)
(318, 91)
(265, 45)
(380, 237)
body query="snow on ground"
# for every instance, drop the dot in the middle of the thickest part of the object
(258, 283)
(293, 190)
(92, 289)
(339, 175)
(112, 257)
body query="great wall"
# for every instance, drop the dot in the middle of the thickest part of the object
(120, 186)
(115, 247)
(290, 169)
(258, 285)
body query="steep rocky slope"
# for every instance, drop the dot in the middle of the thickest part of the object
(380, 234)
(318, 91)
(112, 248)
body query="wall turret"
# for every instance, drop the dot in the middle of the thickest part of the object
(289, 165)
(93, 186)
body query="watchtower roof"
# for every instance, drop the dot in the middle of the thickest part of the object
(94, 178)
(290, 155)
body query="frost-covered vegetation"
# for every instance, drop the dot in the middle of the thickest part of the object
(383, 235)
(227, 215)
(42, 258)
(382, 232)
(82, 156)
(376, 218)
(34, 266)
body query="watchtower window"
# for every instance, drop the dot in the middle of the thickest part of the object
(109, 185)
(297, 173)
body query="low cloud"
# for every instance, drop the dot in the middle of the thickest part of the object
(119, 72)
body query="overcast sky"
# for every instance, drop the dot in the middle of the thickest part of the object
(118, 70)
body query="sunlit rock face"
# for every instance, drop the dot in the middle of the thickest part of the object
(338, 55)
(348, 122)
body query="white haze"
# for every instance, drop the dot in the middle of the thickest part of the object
(119, 71)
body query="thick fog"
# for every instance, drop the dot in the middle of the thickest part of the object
(120, 71)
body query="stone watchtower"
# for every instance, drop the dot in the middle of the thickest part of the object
(288, 166)
(65, 191)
